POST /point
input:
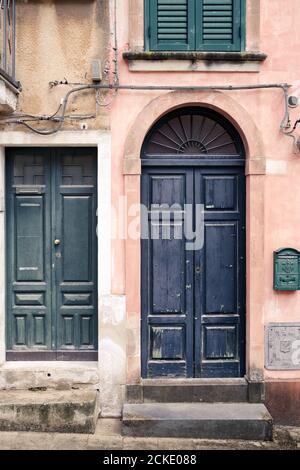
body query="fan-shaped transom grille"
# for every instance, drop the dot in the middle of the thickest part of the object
(193, 132)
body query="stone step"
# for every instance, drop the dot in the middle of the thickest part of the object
(176, 390)
(68, 411)
(198, 420)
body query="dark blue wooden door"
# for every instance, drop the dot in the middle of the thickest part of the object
(193, 301)
(167, 277)
(193, 304)
(51, 254)
(220, 273)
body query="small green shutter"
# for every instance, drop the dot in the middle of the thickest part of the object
(204, 25)
(219, 24)
(171, 25)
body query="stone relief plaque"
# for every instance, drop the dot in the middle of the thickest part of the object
(282, 346)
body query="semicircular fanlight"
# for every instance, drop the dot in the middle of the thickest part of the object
(192, 132)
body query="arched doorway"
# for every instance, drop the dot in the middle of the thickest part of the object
(193, 289)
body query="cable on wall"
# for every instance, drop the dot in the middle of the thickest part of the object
(60, 116)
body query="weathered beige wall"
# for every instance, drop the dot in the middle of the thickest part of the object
(57, 40)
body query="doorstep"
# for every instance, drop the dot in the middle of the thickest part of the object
(188, 390)
(247, 421)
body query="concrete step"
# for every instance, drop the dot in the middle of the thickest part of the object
(198, 420)
(68, 411)
(177, 390)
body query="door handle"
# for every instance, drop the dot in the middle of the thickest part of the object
(198, 269)
(56, 242)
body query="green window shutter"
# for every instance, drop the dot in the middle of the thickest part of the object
(189, 25)
(219, 25)
(171, 25)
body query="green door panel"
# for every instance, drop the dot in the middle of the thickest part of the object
(28, 203)
(30, 240)
(76, 254)
(51, 288)
(77, 262)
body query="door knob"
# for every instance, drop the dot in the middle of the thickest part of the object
(56, 241)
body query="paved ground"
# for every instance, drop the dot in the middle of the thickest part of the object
(108, 437)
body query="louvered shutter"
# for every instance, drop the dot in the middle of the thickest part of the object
(205, 25)
(172, 25)
(219, 25)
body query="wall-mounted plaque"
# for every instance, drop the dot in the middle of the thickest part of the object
(282, 346)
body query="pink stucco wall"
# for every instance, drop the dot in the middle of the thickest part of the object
(273, 217)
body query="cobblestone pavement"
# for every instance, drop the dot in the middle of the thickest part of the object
(108, 437)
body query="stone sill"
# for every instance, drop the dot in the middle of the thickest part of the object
(161, 61)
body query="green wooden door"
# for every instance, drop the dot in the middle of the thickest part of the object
(51, 254)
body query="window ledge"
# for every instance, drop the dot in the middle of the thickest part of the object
(162, 61)
(8, 98)
(9, 91)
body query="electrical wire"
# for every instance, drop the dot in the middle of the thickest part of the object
(116, 52)
(107, 102)
(59, 119)
(56, 112)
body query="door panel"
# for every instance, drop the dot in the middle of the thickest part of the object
(220, 192)
(30, 238)
(220, 267)
(167, 273)
(75, 255)
(193, 302)
(220, 288)
(77, 247)
(28, 261)
(167, 276)
(51, 289)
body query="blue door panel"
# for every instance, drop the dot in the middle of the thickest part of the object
(220, 192)
(220, 342)
(220, 286)
(193, 302)
(167, 189)
(167, 299)
(167, 273)
(220, 267)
